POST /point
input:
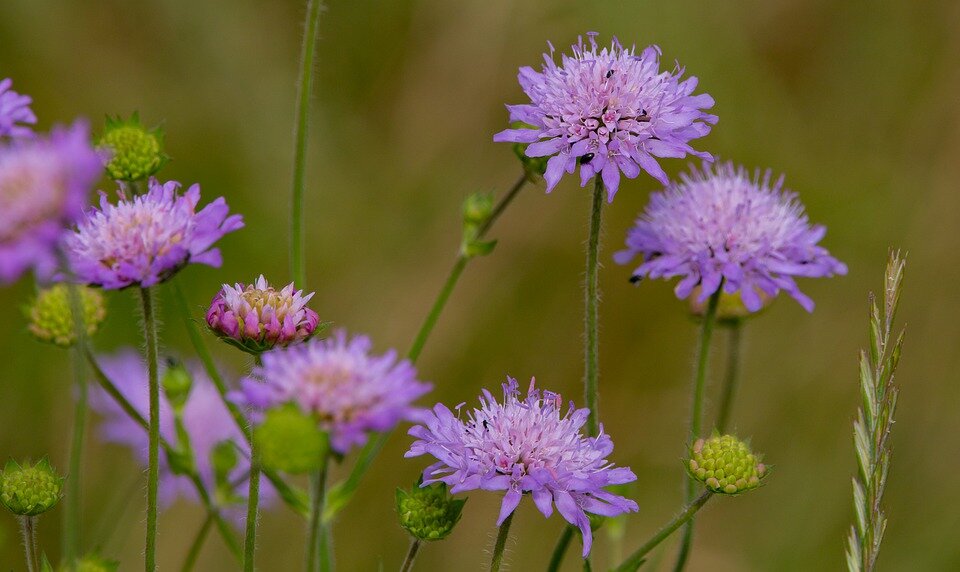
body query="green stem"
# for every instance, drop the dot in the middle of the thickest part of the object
(253, 495)
(150, 337)
(696, 415)
(294, 498)
(72, 520)
(197, 544)
(561, 549)
(300, 132)
(315, 541)
(343, 491)
(498, 548)
(731, 378)
(28, 528)
(591, 291)
(411, 555)
(636, 559)
(198, 484)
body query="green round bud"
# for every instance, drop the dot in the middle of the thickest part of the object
(730, 307)
(176, 383)
(430, 512)
(92, 563)
(725, 465)
(50, 317)
(30, 490)
(289, 440)
(477, 208)
(136, 152)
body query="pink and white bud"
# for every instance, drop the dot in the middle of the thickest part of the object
(257, 317)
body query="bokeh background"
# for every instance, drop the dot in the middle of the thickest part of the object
(856, 103)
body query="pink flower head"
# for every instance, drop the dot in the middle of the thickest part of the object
(44, 184)
(525, 446)
(257, 317)
(610, 111)
(146, 239)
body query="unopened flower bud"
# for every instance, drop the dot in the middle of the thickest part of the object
(477, 208)
(135, 152)
(730, 307)
(290, 441)
(52, 321)
(30, 490)
(257, 317)
(430, 512)
(176, 383)
(725, 465)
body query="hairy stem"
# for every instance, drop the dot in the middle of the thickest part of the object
(696, 415)
(411, 555)
(197, 544)
(591, 338)
(28, 529)
(315, 541)
(556, 559)
(634, 560)
(501, 543)
(153, 454)
(300, 132)
(731, 378)
(253, 495)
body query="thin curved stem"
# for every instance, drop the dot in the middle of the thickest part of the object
(636, 559)
(731, 378)
(153, 455)
(458, 266)
(696, 414)
(591, 338)
(556, 559)
(502, 534)
(411, 555)
(300, 132)
(72, 516)
(197, 544)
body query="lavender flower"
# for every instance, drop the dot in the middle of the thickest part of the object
(44, 184)
(205, 419)
(15, 112)
(146, 239)
(525, 447)
(721, 225)
(609, 110)
(256, 317)
(349, 391)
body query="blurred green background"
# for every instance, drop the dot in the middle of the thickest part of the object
(855, 102)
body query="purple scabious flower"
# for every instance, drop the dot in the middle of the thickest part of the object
(719, 224)
(205, 418)
(349, 391)
(44, 184)
(525, 446)
(147, 238)
(610, 111)
(15, 112)
(257, 317)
